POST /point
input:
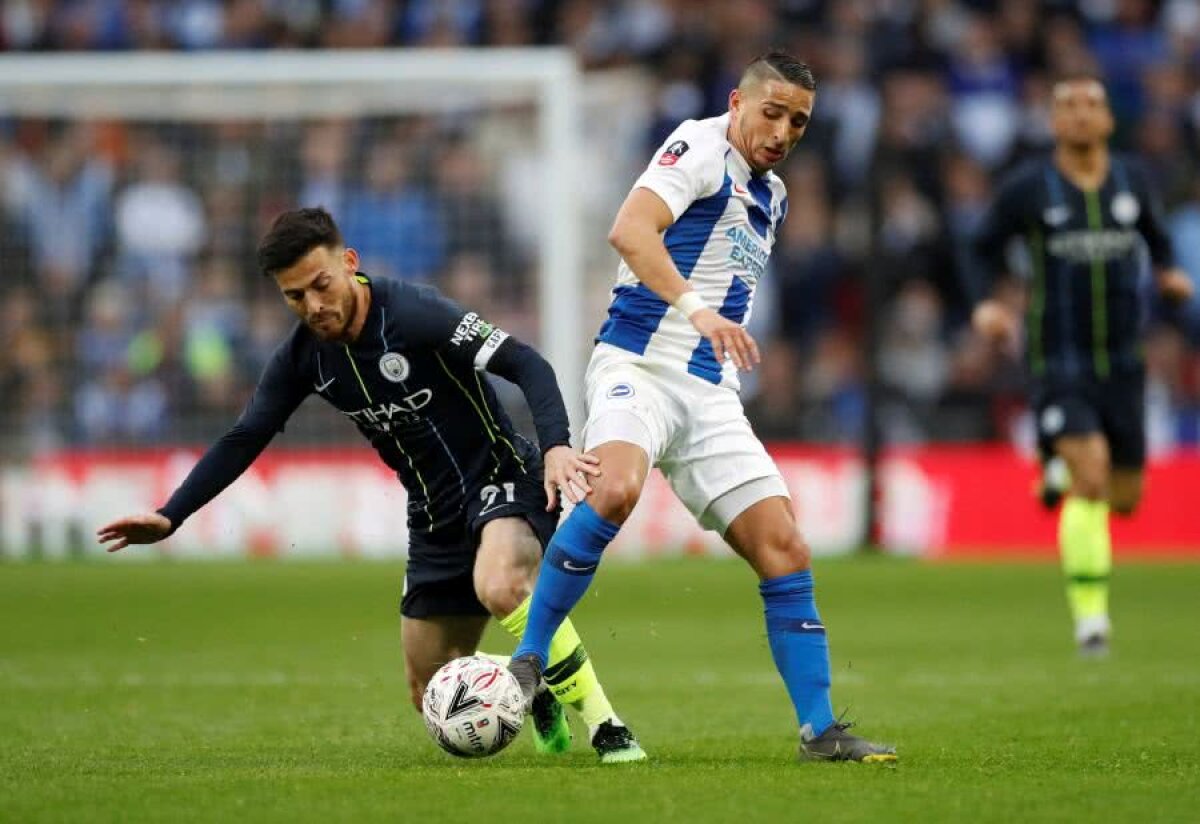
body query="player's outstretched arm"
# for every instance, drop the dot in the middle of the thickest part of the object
(637, 235)
(277, 395)
(148, 528)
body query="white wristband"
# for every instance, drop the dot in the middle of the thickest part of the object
(689, 303)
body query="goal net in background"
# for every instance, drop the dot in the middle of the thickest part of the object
(135, 188)
(134, 191)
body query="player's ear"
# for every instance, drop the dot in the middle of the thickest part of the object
(735, 100)
(350, 258)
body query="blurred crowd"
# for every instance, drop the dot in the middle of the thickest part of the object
(131, 313)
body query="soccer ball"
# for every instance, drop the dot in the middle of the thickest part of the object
(473, 707)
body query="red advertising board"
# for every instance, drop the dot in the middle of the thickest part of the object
(933, 502)
(979, 500)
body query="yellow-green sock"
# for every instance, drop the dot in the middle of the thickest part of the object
(569, 673)
(1086, 547)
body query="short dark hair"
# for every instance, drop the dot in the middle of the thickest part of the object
(779, 65)
(293, 235)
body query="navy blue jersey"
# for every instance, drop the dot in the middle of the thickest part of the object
(411, 384)
(1088, 254)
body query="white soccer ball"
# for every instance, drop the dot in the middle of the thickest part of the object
(473, 707)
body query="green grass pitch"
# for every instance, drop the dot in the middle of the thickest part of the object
(274, 692)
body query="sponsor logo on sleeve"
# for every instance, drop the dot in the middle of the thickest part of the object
(471, 327)
(673, 152)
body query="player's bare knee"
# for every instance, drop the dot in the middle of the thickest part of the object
(501, 594)
(794, 551)
(1090, 480)
(615, 498)
(781, 553)
(1093, 488)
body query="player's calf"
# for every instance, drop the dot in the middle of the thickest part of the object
(1125, 491)
(767, 536)
(1053, 483)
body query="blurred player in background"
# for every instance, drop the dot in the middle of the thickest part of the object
(1088, 217)
(403, 364)
(662, 388)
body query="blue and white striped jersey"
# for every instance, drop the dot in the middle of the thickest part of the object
(726, 220)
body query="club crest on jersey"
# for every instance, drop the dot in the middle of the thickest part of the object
(1056, 215)
(1053, 420)
(394, 366)
(620, 390)
(1125, 208)
(673, 152)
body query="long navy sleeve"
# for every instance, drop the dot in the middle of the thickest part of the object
(280, 390)
(519, 363)
(471, 342)
(1152, 222)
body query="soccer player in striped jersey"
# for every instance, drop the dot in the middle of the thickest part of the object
(1088, 217)
(403, 364)
(662, 389)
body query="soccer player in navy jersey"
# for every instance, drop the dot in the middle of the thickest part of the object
(1089, 219)
(404, 365)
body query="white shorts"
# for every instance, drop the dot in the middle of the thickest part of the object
(694, 431)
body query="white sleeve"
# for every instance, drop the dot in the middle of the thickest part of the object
(690, 165)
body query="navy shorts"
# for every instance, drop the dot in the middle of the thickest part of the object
(439, 578)
(1116, 408)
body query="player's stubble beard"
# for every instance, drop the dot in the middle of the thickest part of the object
(348, 309)
(748, 146)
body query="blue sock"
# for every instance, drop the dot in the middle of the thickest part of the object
(798, 644)
(567, 570)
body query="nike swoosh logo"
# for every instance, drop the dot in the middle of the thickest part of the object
(807, 625)
(572, 568)
(322, 387)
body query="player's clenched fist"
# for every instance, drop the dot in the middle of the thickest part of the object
(567, 470)
(727, 338)
(136, 529)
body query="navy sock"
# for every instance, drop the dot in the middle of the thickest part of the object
(799, 646)
(567, 570)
